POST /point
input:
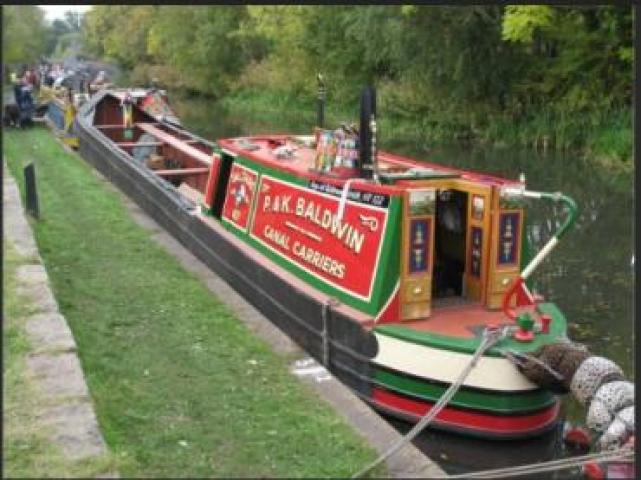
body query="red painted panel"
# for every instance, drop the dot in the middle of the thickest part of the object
(301, 225)
(467, 419)
(240, 196)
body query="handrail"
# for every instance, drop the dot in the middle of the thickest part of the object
(571, 206)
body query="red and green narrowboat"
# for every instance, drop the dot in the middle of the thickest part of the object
(386, 269)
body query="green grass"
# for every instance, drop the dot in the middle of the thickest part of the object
(27, 449)
(180, 386)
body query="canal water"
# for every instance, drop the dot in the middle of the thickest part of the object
(589, 275)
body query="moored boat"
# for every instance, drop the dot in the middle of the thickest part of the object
(386, 269)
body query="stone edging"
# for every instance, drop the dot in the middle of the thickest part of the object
(53, 360)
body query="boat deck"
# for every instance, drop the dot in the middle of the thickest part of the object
(460, 319)
(302, 159)
(272, 151)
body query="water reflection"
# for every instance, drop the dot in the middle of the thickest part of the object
(588, 275)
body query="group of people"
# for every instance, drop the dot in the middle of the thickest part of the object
(52, 75)
(29, 80)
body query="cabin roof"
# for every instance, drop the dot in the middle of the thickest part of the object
(134, 92)
(265, 150)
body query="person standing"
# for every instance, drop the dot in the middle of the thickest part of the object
(29, 78)
(17, 88)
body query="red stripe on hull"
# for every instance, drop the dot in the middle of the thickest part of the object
(466, 420)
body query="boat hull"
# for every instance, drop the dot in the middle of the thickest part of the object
(469, 422)
(347, 347)
(342, 344)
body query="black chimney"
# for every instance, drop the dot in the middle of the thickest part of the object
(368, 111)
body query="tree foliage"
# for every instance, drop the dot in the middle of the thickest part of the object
(520, 22)
(24, 34)
(462, 68)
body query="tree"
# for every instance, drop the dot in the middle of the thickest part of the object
(201, 43)
(24, 29)
(120, 32)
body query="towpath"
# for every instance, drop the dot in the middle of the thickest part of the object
(409, 462)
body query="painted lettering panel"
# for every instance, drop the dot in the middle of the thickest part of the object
(240, 196)
(302, 226)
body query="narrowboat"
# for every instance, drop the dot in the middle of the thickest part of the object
(62, 105)
(386, 269)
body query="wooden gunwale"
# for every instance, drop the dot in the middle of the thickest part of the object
(182, 171)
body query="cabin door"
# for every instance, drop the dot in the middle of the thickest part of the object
(417, 253)
(479, 222)
(450, 243)
(461, 242)
(505, 252)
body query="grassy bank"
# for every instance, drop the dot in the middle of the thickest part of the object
(180, 387)
(605, 137)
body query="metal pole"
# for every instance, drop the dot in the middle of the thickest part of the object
(320, 114)
(31, 192)
(326, 313)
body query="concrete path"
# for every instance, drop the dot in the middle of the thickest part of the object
(52, 360)
(408, 462)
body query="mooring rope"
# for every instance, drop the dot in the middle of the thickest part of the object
(490, 338)
(624, 453)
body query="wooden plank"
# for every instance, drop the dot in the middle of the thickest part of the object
(110, 127)
(138, 144)
(175, 142)
(182, 171)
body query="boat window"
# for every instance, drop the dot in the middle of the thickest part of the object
(449, 245)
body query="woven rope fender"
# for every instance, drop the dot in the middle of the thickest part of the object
(596, 382)
(608, 400)
(591, 374)
(619, 430)
(551, 366)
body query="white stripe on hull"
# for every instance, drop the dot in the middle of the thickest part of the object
(490, 373)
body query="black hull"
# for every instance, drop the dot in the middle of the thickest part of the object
(348, 348)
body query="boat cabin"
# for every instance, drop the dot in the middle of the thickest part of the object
(423, 237)
(408, 242)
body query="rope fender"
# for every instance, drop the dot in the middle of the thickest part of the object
(596, 382)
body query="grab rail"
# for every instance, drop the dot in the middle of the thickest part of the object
(547, 248)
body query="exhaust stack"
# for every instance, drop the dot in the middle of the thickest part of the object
(367, 140)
